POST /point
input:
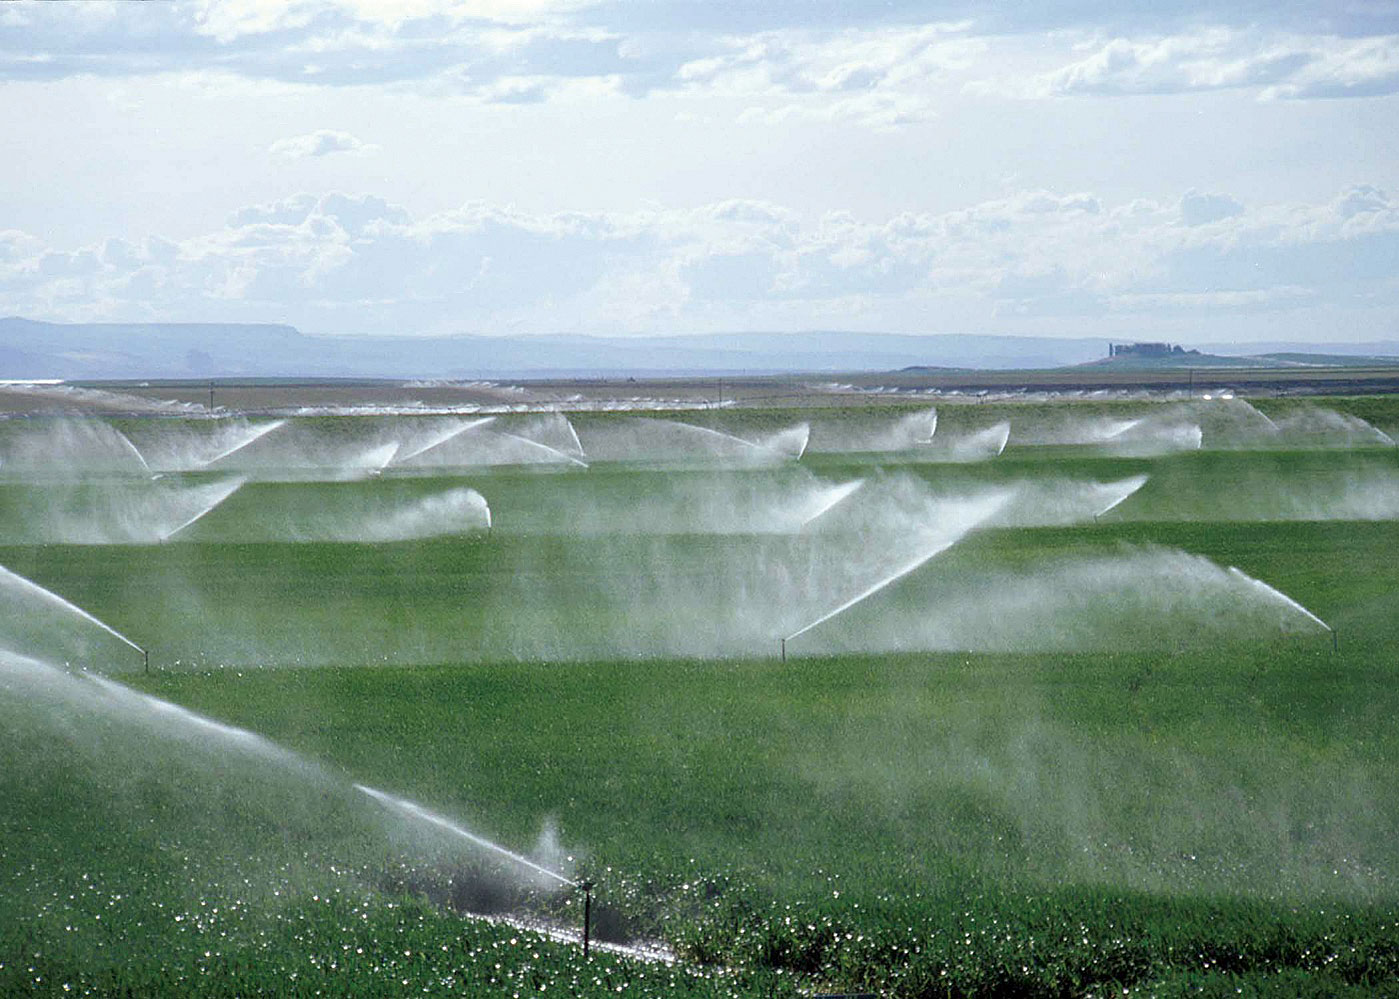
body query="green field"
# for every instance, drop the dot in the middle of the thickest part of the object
(1120, 722)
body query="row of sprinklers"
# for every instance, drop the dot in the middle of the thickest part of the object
(419, 814)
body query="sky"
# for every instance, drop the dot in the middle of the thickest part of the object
(1141, 170)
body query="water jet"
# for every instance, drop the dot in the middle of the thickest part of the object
(416, 811)
(835, 496)
(48, 596)
(255, 434)
(235, 485)
(1278, 596)
(551, 451)
(438, 439)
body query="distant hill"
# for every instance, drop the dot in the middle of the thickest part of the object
(31, 349)
(1193, 359)
(1181, 362)
(1291, 359)
(95, 351)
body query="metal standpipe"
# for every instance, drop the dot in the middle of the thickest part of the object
(587, 887)
(784, 650)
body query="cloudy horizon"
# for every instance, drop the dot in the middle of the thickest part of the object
(1184, 172)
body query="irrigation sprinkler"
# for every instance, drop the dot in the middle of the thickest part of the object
(784, 650)
(1335, 640)
(146, 657)
(587, 887)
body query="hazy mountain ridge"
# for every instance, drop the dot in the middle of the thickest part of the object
(34, 349)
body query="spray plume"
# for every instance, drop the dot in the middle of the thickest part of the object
(1277, 595)
(835, 496)
(257, 433)
(791, 442)
(48, 596)
(175, 721)
(1128, 487)
(126, 441)
(551, 451)
(231, 488)
(422, 814)
(442, 437)
(573, 433)
(870, 591)
(923, 557)
(183, 716)
(717, 435)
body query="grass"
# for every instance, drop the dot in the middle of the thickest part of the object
(1157, 805)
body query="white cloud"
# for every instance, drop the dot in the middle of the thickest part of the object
(1033, 261)
(881, 78)
(1352, 68)
(229, 20)
(322, 142)
(1197, 208)
(1275, 66)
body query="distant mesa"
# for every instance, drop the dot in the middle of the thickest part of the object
(1148, 350)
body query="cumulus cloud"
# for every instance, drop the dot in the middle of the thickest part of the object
(881, 77)
(1366, 67)
(1275, 66)
(846, 64)
(322, 142)
(1028, 261)
(1197, 208)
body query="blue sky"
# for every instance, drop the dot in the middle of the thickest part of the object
(1166, 170)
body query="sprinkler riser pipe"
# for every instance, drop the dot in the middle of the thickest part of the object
(587, 887)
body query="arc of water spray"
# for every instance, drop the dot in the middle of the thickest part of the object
(1279, 596)
(48, 596)
(250, 740)
(1005, 439)
(838, 495)
(133, 449)
(996, 436)
(1123, 428)
(578, 444)
(441, 439)
(932, 428)
(218, 501)
(442, 822)
(1261, 415)
(870, 591)
(719, 434)
(899, 573)
(257, 434)
(551, 450)
(233, 733)
(799, 434)
(381, 456)
(268, 748)
(1130, 488)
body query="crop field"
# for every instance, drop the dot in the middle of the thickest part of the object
(1005, 699)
